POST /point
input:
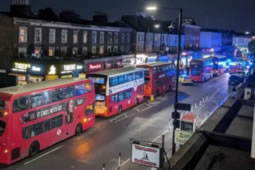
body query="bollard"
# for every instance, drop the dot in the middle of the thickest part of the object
(152, 98)
(200, 102)
(203, 99)
(191, 109)
(195, 106)
(206, 98)
(103, 166)
(119, 160)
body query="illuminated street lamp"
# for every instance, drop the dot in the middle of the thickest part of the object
(156, 26)
(175, 114)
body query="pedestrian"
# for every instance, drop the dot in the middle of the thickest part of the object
(234, 92)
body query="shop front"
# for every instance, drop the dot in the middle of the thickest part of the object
(29, 71)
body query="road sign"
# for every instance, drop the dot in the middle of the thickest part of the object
(181, 137)
(146, 155)
(183, 106)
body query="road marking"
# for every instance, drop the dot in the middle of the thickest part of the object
(47, 153)
(160, 135)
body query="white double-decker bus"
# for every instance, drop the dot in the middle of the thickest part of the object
(117, 89)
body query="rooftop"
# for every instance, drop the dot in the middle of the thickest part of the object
(118, 71)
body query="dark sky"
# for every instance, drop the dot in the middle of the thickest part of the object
(227, 14)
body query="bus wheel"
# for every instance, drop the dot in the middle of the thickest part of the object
(120, 109)
(34, 148)
(78, 129)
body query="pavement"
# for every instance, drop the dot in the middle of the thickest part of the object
(147, 122)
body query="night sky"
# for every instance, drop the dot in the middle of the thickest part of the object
(228, 14)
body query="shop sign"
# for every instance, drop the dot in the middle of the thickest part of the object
(68, 68)
(21, 67)
(94, 66)
(52, 70)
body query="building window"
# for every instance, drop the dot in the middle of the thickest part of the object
(109, 37)
(51, 51)
(101, 37)
(123, 38)
(94, 37)
(64, 36)
(63, 51)
(38, 35)
(75, 51)
(22, 34)
(115, 49)
(109, 49)
(85, 51)
(52, 36)
(94, 49)
(85, 37)
(128, 38)
(22, 52)
(101, 51)
(37, 52)
(116, 38)
(75, 37)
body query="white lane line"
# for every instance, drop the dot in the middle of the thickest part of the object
(126, 161)
(47, 153)
(160, 135)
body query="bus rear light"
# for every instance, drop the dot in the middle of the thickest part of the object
(6, 151)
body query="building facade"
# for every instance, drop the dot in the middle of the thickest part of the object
(210, 39)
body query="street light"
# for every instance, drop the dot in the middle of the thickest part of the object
(156, 26)
(175, 114)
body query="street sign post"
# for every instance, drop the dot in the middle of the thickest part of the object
(183, 106)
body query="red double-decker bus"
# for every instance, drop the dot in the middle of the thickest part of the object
(201, 69)
(36, 116)
(117, 89)
(159, 78)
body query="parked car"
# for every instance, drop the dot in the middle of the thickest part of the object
(184, 79)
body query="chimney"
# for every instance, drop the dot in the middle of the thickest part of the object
(21, 8)
(100, 17)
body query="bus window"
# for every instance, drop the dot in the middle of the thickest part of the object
(57, 95)
(114, 81)
(2, 104)
(57, 121)
(2, 127)
(130, 77)
(36, 129)
(79, 90)
(68, 92)
(36, 100)
(21, 104)
(121, 79)
(121, 96)
(47, 125)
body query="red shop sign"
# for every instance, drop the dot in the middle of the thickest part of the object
(94, 66)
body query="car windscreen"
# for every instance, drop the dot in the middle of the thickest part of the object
(187, 126)
(2, 127)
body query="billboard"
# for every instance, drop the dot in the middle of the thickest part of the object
(146, 155)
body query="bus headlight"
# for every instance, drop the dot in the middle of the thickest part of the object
(85, 120)
(5, 113)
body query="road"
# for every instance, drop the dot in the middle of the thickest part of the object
(108, 137)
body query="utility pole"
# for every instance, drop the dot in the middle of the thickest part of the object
(175, 114)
